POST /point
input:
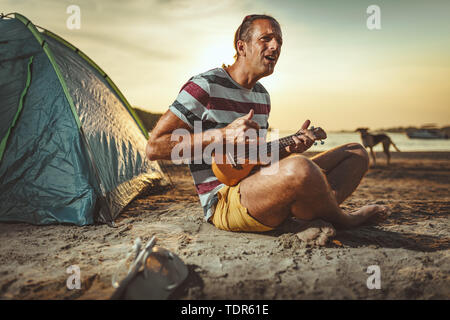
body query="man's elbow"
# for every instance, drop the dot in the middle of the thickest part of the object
(150, 151)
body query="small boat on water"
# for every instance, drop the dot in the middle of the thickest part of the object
(426, 134)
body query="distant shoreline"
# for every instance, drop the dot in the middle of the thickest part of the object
(388, 130)
(149, 120)
(443, 155)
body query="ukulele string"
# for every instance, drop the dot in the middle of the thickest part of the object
(267, 146)
(250, 152)
(283, 142)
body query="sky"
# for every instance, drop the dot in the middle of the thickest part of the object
(332, 70)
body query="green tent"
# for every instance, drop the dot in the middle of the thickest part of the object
(72, 150)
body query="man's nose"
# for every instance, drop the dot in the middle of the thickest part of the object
(274, 45)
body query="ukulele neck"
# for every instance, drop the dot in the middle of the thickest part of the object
(280, 143)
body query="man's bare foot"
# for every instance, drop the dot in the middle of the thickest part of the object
(373, 213)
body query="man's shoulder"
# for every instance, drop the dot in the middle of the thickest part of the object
(205, 79)
(260, 88)
(218, 77)
(209, 75)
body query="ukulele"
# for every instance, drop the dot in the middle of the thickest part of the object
(230, 168)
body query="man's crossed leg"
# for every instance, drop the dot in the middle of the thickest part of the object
(311, 189)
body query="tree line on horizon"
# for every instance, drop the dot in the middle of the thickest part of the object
(445, 129)
(149, 119)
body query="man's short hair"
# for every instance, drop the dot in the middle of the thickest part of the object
(244, 31)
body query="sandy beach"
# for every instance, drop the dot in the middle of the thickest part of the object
(411, 248)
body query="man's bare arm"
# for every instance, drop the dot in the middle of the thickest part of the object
(160, 144)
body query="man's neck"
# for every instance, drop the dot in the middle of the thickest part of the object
(241, 75)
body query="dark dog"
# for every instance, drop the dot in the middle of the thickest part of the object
(371, 140)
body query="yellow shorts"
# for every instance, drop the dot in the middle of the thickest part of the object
(231, 215)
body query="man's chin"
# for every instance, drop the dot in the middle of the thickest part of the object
(269, 71)
(265, 71)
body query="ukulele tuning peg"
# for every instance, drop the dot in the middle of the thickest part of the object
(315, 143)
(322, 142)
(312, 127)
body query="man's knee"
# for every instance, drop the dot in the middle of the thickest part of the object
(298, 170)
(360, 152)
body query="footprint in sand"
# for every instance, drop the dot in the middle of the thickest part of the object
(316, 233)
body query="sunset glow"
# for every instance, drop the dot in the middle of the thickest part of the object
(332, 69)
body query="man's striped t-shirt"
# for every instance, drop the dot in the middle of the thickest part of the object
(216, 100)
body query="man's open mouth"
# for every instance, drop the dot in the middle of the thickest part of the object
(270, 58)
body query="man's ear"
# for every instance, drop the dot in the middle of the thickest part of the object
(241, 47)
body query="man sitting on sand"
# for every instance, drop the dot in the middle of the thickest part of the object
(232, 98)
